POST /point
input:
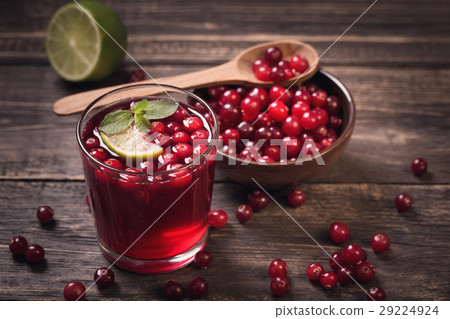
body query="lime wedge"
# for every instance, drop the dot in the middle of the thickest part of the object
(131, 144)
(77, 46)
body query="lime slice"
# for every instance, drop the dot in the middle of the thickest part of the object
(77, 47)
(131, 144)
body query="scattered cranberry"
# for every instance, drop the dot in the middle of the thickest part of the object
(376, 294)
(217, 218)
(380, 243)
(273, 152)
(319, 98)
(17, 245)
(345, 275)
(278, 111)
(353, 254)
(364, 272)
(328, 280)
(299, 63)
(104, 277)
(258, 200)
(92, 142)
(278, 268)
(158, 127)
(114, 163)
(230, 97)
(339, 232)
(277, 74)
(34, 253)
(137, 75)
(257, 64)
(403, 202)
(45, 214)
(314, 271)
(173, 290)
(309, 121)
(74, 291)
(273, 55)
(333, 106)
(202, 259)
(230, 134)
(244, 213)
(198, 287)
(280, 286)
(291, 126)
(181, 137)
(99, 154)
(192, 123)
(336, 261)
(419, 167)
(230, 113)
(263, 73)
(296, 198)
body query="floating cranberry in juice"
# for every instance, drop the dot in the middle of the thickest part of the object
(151, 196)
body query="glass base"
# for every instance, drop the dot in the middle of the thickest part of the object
(153, 266)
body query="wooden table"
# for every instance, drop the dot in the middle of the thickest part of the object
(396, 62)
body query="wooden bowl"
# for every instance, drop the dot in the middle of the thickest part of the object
(277, 175)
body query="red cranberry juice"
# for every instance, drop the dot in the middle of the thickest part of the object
(165, 213)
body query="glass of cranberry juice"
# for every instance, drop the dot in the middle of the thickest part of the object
(151, 216)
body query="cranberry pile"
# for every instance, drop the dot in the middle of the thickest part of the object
(273, 68)
(275, 125)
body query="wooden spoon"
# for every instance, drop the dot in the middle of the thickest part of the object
(237, 71)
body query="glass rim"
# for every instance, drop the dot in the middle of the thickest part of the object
(195, 161)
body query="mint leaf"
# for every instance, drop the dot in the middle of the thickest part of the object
(140, 106)
(142, 124)
(116, 122)
(159, 109)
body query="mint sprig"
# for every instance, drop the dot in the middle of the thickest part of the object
(141, 113)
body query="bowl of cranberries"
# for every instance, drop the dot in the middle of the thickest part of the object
(281, 136)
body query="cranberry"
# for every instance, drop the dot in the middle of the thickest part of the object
(380, 243)
(291, 145)
(345, 275)
(157, 126)
(34, 253)
(339, 232)
(376, 294)
(104, 277)
(263, 133)
(364, 272)
(326, 142)
(280, 286)
(263, 119)
(273, 152)
(216, 92)
(278, 268)
(200, 135)
(299, 108)
(332, 135)
(91, 143)
(17, 245)
(179, 115)
(250, 106)
(334, 122)
(403, 202)
(114, 163)
(353, 254)
(277, 92)
(172, 128)
(230, 134)
(180, 137)
(277, 133)
(277, 74)
(336, 261)
(173, 290)
(289, 73)
(45, 214)
(303, 96)
(243, 91)
(167, 159)
(259, 63)
(299, 63)
(333, 106)
(246, 130)
(231, 113)
(137, 75)
(183, 150)
(328, 280)
(309, 121)
(162, 139)
(284, 64)
(296, 198)
(198, 287)
(419, 166)
(192, 123)
(291, 126)
(261, 94)
(263, 73)
(74, 291)
(311, 87)
(258, 200)
(273, 55)
(322, 116)
(230, 97)
(249, 153)
(148, 167)
(99, 154)
(319, 98)
(314, 271)
(320, 133)
(244, 213)
(278, 111)
(217, 218)
(202, 259)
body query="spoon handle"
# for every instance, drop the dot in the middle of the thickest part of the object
(221, 74)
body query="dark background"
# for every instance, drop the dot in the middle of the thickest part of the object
(396, 63)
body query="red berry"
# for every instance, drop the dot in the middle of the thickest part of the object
(114, 163)
(137, 75)
(303, 96)
(299, 108)
(273, 55)
(278, 268)
(364, 272)
(403, 202)
(345, 275)
(217, 218)
(202, 259)
(278, 111)
(74, 291)
(216, 92)
(319, 98)
(419, 166)
(91, 143)
(322, 116)
(376, 294)
(181, 137)
(291, 126)
(244, 213)
(192, 123)
(167, 159)
(263, 73)
(336, 261)
(157, 126)
(277, 74)
(246, 130)
(99, 154)
(45, 214)
(201, 135)
(230, 134)
(173, 290)
(291, 146)
(334, 122)
(179, 115)
(261, 94)
(17, 245)
(230, 96)
(299, 63)
(280, 286)
(250, 106)
(296, 198)
(311, 87)
(104, 277)
(258, 63)
(328, 280)
(277, 92)
(333, 106)
(198, 287)
(231, 113)
(34, 253)
(263, 119)
(183, 150)
(273, 152)
(309, 121)
(380, 243)
(258, 200)
(314, 271)
(339, 232)
(353, 254)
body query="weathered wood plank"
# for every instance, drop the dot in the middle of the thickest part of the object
(241, 252)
